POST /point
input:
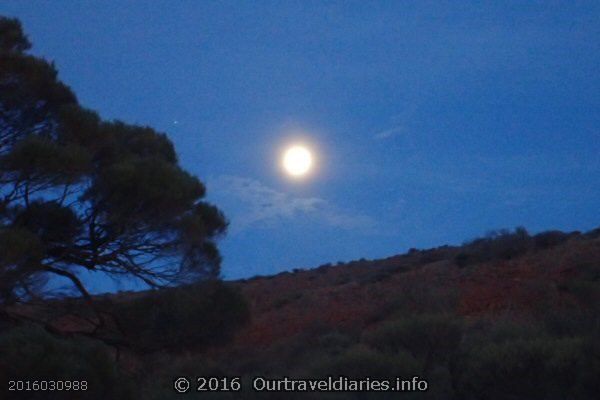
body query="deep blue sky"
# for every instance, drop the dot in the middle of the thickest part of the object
(434, 121)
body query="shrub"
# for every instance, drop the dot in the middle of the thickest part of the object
(334, 343)
(506, 330)
(157, 383)
(31, 353)
(360, 361)
(420, 296)
(549, 239)
(182, 318)
(530, 369)
(287, 298)
(497, 245)
(462, 259)
(323, 268)
(571, 322)
(594, 233)
(584, 288)
(429, 337)
(376, 275)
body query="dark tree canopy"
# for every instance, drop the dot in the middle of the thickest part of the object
(80, 193)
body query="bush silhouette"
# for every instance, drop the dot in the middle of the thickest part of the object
(545, 240)
(431, 338)
(182, 318)
(31, 353)
(360, 361)
(545, 368)
(496, 245)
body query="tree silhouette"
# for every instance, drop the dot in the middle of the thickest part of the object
(80, 193)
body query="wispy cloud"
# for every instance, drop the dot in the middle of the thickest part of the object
(261, 204)
(400, 123)
(388, 133)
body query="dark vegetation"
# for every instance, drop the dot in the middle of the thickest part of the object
(425, 317)
(541, 347)
(150, 325)
(78, 193)
(30, 352)
(187, 318)
(507, 316)
(504, 245)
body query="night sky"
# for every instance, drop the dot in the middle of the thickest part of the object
(431, 122)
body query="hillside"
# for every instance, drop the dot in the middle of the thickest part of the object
(470, 319)
(359, 294)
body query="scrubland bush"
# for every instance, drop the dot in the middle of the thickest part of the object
(295, 353)
(545, 368)
(323, 268)
(420, 296)
(496, 245)
(158, 380)
(432, 338)
(505, 245)
(506, 330)
(361, 361)
(581, 316)
(545, 240)
(31, 353)
(334, 343)
(434, 255)
(183, 318)
(593, 234)
(376, 275)
(586, 285)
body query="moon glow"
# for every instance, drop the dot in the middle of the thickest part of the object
(297, 161)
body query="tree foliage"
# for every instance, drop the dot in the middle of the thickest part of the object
(81, 193)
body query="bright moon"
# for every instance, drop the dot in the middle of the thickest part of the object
(297, 160)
